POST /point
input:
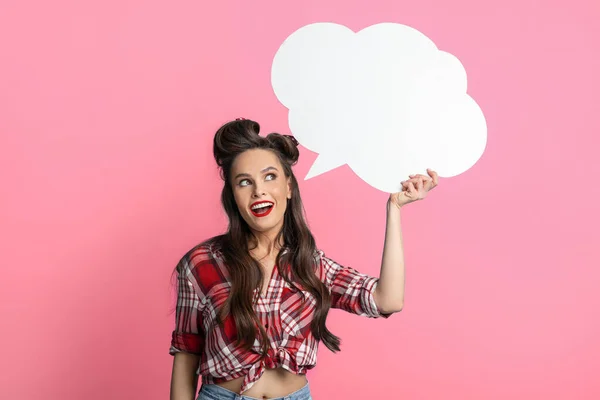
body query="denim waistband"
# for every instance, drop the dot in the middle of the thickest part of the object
(216, 392)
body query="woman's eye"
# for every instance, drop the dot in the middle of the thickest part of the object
(244, 182)
(273, 176)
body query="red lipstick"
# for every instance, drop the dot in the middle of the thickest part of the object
(262, 211)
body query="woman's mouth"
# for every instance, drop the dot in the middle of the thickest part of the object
(261, 208)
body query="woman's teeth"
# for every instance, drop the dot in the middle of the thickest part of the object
(261, 205)
(261, 208)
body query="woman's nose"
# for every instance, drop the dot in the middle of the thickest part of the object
(258, 192)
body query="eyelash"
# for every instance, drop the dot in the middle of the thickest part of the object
(241, 182)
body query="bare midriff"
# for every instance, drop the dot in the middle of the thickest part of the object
(273, 383)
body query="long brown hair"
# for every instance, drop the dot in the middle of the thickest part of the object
(297, 265)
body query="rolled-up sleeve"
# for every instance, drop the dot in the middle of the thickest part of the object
(351, 290)
(188, 335)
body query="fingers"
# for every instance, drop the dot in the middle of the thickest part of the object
(412, 180)
(434, 176)
(418, 185)
(410, 186)
(420, 182)
(418, 179)
(420, 176)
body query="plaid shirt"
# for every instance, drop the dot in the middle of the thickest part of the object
(203, 287)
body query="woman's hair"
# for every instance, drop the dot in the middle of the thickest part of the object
(297, 265)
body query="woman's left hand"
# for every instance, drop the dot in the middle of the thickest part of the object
(415, 188)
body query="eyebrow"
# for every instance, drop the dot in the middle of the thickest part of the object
(248, 175)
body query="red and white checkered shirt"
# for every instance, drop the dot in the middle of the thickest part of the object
(203, 287)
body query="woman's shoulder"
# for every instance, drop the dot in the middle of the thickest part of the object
(319, 254)
(211, 246)
(204, 253)
(324, 263)
(203, 265)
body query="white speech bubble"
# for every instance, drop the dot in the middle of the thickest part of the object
(384, 100)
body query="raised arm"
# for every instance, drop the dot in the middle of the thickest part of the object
(389, 293)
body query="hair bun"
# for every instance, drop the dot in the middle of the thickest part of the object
(287, 145)
(293, 139)
(233, 138)
(242, 134)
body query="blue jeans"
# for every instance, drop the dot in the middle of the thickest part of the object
(216, 392)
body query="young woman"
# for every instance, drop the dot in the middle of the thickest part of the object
(252, 303)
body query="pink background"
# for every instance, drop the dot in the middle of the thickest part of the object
(107, 111)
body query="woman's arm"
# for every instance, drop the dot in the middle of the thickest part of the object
(389, 293)
(187, 339)
(184, 381)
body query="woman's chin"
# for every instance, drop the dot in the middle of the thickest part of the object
(264, 226)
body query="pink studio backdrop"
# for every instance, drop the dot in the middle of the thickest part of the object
(107, 111)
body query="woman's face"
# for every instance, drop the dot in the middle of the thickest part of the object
(261, 190)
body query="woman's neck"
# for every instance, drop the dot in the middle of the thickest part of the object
(265, 245)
